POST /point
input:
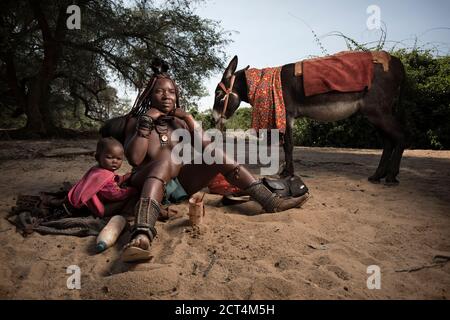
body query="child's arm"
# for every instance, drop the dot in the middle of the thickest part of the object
(112, 192)
(122, 179)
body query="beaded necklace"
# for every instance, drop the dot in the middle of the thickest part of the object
(162, 128)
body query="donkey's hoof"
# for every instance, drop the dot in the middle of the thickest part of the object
(374, 179)
(391, 182)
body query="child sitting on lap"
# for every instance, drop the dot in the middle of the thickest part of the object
(100, 190)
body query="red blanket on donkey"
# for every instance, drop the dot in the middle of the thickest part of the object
(343, 72)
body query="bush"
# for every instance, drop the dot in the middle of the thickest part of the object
(426, 100)
(242, 119)
(205, 117)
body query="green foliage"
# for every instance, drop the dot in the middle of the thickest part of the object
(205, 117)
(9, 121)
(426, 100)
(242, 119)
(354, 132)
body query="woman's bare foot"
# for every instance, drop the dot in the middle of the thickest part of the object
(137, 249)
(140, 241)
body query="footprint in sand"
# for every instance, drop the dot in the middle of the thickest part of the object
(323, 260)
(323, 279)
(339, 272)
(271, 288)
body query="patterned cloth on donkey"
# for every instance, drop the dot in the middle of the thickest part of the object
(266, 96)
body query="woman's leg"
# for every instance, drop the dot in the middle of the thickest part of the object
(151, 179)
(194, 177)
(124, 208)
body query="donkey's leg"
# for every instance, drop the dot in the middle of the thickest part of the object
(394, 163)
(288, 148)
(388, 147)
(393, 144)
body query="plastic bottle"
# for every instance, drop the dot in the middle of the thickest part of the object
(110, 233)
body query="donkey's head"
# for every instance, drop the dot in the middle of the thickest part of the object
(229, 93)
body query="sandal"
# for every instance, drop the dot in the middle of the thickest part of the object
(134, 253)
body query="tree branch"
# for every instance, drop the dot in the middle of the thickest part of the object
(109, 58)
(87, 106)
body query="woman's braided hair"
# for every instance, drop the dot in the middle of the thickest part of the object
(143, 101)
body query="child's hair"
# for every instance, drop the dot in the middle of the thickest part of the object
(105, 143)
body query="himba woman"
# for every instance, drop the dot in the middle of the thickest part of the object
(148, 146)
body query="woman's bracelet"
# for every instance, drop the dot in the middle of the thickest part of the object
(145, 122)
(144, 126)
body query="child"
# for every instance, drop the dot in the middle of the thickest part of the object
(100, 190)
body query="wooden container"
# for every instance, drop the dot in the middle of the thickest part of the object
(196, 210)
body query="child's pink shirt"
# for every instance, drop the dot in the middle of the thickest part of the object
(96, 187)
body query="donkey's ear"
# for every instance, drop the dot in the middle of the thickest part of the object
(229, 71)
(246, 68)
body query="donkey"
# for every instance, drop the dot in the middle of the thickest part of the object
(376, 104)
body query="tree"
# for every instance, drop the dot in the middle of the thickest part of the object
(42, 61)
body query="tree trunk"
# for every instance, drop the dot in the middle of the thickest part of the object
(39, 119)
(38, 122)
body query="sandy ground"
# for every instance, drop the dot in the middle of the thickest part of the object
(321, 251)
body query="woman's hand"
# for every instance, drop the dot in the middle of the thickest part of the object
(154, 113)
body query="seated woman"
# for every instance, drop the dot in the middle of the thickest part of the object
(148, 149)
